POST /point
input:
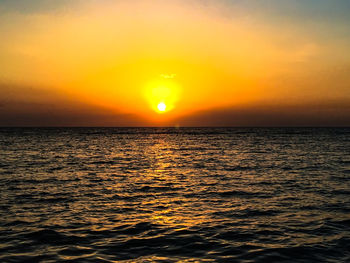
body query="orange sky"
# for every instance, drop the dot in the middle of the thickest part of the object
(110, 63)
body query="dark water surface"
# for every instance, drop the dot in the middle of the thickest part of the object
(168, 195)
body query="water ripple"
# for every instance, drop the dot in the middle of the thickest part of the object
(169, 195)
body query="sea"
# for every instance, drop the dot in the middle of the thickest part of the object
(175, 195)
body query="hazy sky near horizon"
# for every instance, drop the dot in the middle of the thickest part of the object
(212, 62)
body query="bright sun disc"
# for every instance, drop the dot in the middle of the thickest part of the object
(161, 106)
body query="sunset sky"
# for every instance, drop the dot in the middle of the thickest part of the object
(175, 63)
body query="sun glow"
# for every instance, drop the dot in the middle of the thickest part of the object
(162, 94)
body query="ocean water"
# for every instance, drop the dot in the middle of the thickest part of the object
(170, 195)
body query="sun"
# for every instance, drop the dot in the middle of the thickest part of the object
(161, 107)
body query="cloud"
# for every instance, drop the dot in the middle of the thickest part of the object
(33, 106)
(168, 76)
(320, 115)
(34, 6)
(45, 107)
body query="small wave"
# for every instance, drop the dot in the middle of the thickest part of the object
(175, 195)
(49, 236)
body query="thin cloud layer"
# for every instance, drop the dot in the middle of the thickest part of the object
(103, 56)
